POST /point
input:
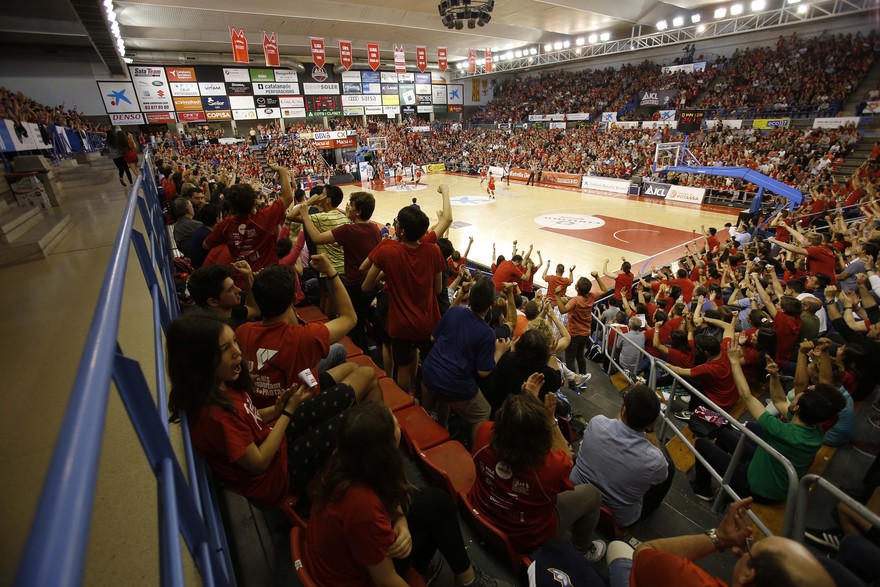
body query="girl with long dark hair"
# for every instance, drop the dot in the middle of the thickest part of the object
(116, 148)
(369, 525)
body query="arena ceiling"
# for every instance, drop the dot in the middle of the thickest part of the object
(150, 28)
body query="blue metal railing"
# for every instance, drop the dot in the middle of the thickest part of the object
(56, 548)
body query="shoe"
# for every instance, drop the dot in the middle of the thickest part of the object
(581, 381)
(685, 397)
(683, 414)
(596, 552)
(434, 568)
(827, 539)
(869, 449)
(482, 580)
(122, 181)
(875, 421)
(701, 492)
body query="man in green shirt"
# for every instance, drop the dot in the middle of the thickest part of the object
(758, 474)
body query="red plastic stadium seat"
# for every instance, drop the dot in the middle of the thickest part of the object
(419, 429)
(365, 361)
(448, 464)
(288, 506)
(607, 525)
(395, 398)
(297, 546)
(495, 539)
(309, 314)
(352, 349)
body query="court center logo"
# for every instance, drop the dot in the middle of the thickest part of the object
(570, 221)
(470, 200)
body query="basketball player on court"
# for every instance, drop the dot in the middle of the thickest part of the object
(491, 188)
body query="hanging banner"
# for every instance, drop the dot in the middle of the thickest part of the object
(345, 56)
(441, 58)
(488, 60)
(318, 55)
(422, 58)
(239, 45)
(399, 60)
(373, 58)
(270, 50)
(472, 61)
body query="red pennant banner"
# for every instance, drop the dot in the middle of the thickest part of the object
(441, 58)
(472, 61)
(373, 56)
(345, 55)
(488, 60)
(421, 58)
(318, 55)
(399, 60)
(270, 50)
(239, 46)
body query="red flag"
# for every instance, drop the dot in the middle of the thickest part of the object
(373, 58)
(488, 60)
(441, 58)
(399, 60)
(270, 50)
(422, 58)
(239, 46)
(345, 56)
(472, 61)
(318, 55)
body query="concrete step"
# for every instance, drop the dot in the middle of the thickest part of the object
(14, 222)
(38, 242)
(94, 178)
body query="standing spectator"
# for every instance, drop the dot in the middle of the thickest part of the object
(115, 152)
(557, 284)
(579, 310)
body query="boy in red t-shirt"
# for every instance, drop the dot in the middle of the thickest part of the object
(557, 284)
(414, 277)
(456, 261)
(622, 281)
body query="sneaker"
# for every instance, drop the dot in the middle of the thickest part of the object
(482, 580)
(122, 181)
(875, 421)
(596, 552)
(869, 449)
(685, 397)
(683, 414)
(581, 381)
(702, 492)
(434, 568)
(827, 539)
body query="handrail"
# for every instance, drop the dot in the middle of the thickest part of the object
(791, 497)
(56, 548)
(805, 489)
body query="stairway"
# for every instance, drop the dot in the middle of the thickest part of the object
(869, 82)
(28, 234)
(870, 135)
(92, 169)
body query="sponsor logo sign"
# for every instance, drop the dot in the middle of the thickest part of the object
(655, 190)
(625, 124)
(834, 123)
(191, 116)
(687, 68)
(126, 118)
(361, 100)
(293, 112)
(391, 110)
(212, 89)
(351, 87)
(455, 94)
(680, 193)
(658, 98)
(371, 88)
(438, 94)
(455, 108)
(516, 173)
(609, 116)
(235, 74)
(286, 75)
(424, 100)
(422, 78)
(215, 103)
(658, 123)
(244, 114)
(388, 77)
(352, 76)
(262, 75)
(352, 110)
(346, 143)
(424, 89)
(267, 102)
(319, 74)
(279, 89)
(569, 179)
(570, 221)
(422, 109)
(160, 117)
(390, 100)
(241, 103)
(118, 97)
(151, 88)
(291, 102)
(239, 89)
(268, 113)
(184, 89)
(406, 78)
(771, 123)
(373, 77)
(407, 110)
(187, 104)
(373, 110)
(435, 167)
(407, 94)
(389, 89)
(218, 115)
(311, 89)
(181, 74)
(604, 184)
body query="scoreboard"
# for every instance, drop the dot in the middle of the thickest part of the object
(324, 105)
(690, 121)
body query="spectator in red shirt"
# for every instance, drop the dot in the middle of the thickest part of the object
(527, 283)
(251, 235)
(579, 310)
(456, 261)
(712, 242)
(786, 320)
(820, 257)
(414, 277)
(511, 271)
(622, 281)
(780, 222)
(557, 284)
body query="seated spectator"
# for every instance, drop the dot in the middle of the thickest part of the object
(627, 356)
(798, 440)
(184, 225)
(616, 458)
(213, 289)
(530, 354)
(363, 537)
(210, 215)
(523, 468)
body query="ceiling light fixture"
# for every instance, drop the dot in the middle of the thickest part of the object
(736, 9)
(802, 9)
(695, 18)
(758, 5)
(662, 25)
(593, 38)
(548, 47)
(566, 44)
(678, 21)
(605, 36)
(579, 42)
(557, 45)
(532, 51)
(454, 13)
(720, 12)
(701, 28)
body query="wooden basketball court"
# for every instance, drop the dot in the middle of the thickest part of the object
(567, 225)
